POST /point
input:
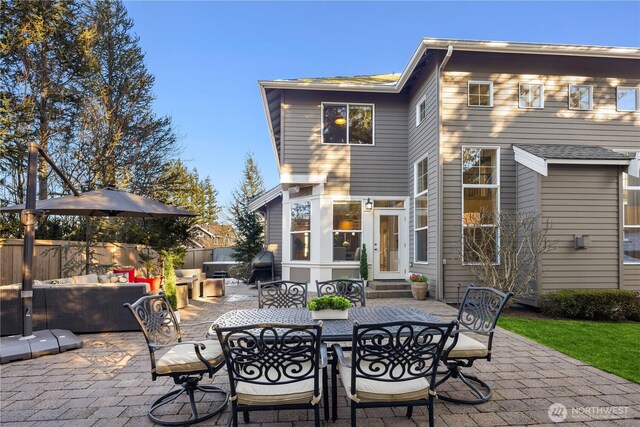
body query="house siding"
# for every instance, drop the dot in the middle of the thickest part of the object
(375, 170)
(581, 200)
(423, 141)
(505, 124)
(273, 232)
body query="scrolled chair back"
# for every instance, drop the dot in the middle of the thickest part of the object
(282, 294)
(351, 289)
(156, 319)
(481, 308)
(271, 353)
(398, 351)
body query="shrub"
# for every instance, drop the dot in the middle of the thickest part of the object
(593, 304)
(364, 263)
(328, 301)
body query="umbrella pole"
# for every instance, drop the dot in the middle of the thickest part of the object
(29, 218)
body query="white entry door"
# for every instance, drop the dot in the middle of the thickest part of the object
(388, 244)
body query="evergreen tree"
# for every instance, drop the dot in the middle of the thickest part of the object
(248, 225)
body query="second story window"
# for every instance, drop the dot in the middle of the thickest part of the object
(627, 98)
(580, 97)
(347, 124)
(421, 207)
(421, 111)
(531, 95)
(480, 94)
(301, 231)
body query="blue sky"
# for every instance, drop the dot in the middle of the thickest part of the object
(208, 56)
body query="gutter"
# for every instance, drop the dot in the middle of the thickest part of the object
(265, 107)
(442, 265)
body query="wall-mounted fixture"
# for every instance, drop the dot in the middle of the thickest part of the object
(368, 206)
(581, 241)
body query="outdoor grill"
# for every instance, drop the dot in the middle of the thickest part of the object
(262, 267)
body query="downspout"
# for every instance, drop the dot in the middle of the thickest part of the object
(442, 265)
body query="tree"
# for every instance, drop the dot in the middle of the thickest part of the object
(120, 140)
(248, 225)
(41, 50)
(507, 256)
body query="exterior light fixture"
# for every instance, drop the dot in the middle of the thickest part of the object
(340, 120)
(369, 205)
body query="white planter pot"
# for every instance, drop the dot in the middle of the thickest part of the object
(330, 314)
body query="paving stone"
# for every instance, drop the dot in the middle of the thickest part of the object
(112, 385)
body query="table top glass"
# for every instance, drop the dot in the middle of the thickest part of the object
(332, 330)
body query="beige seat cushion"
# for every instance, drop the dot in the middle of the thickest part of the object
(467, 347)
(183, 358)
(277, 394)
(370, 390)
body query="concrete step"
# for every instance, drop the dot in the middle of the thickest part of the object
(373, 294)
(389, 285)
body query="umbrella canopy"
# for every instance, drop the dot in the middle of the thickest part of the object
(105, 202)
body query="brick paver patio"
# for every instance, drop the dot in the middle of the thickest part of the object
(107, 383)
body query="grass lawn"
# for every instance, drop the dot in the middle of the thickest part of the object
(612, 347)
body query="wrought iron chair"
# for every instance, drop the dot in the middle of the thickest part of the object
(391, 364)
(274, 366)
(478, 314)
(282, 294)
(186, 362)
(351, 289)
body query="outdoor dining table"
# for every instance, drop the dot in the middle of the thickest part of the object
(332, 330)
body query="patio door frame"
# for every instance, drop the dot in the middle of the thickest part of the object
(400, 213)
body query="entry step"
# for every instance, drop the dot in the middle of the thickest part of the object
(388, 289)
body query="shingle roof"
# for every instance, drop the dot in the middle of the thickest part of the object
(572, 152)
(374, 79)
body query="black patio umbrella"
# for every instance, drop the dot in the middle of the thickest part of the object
(105, 202)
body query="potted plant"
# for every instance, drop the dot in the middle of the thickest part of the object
(364, 265)
(149, 268)
(419, 286)
(169, 285)
(329, 307)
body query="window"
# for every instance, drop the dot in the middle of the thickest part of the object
(531, 95)
(480, 194)
(480, 94)
(421, 207)
(580, 97)
(347, 230)
(631, 218)
(382, 204)
(421, 110)
(627, 99)
(347, 124)
(301, 231)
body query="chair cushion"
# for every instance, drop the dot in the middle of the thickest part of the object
(372, 390)
(182, 358)
(467, 347)
(276, 394)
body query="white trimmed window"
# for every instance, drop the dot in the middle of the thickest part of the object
(580, 97)
(301, 231)
(480, 193)
(421, 111)
(480, 93)
(421, 206)
(631, 218)
(347, 123)
(627, 98)
(531, 95)
(347, 230)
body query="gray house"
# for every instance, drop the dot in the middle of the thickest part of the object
(404, 162)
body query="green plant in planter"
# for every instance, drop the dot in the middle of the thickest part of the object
(328, 302)
(364, 263)
(149, 264)
(169, 285)
(419, 278)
